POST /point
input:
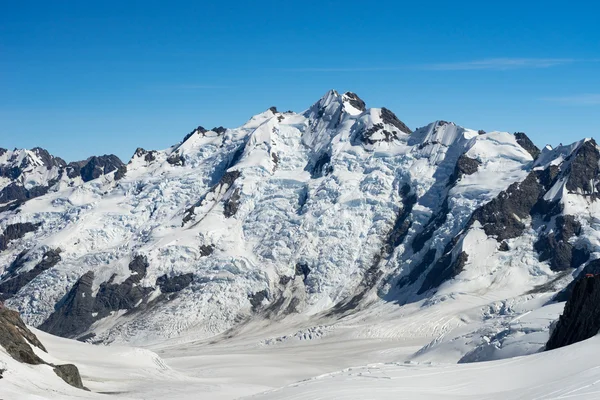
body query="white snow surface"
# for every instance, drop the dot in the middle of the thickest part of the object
(309, 191)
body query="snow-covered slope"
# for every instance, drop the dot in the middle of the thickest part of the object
(321, 217)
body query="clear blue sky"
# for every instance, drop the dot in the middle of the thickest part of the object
(94, 77)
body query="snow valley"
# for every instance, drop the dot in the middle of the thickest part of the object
(332, 253)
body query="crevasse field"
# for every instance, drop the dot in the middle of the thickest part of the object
(332, 253)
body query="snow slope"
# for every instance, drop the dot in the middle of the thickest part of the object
(338, 220)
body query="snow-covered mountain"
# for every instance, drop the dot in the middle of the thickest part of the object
(328, 216)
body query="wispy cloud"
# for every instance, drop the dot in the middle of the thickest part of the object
(500, 64)
(492, 64)
(190, 86)
(342, 69)
(589, 99)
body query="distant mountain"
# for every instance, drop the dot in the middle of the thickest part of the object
(321, 214)
(26, 174)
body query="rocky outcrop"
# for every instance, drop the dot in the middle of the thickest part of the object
(79, 309)
(555, 247)
(584, 170)
(390, 118)
(121, 172)
(232, 201)
(464, 166)
(502, 218)
(17, 340)
(321, 167)
(175, 283)
(581, 317)
(16, 231)
(70, 374)
(447, 267)
(176, 159)
(93, 167)
(10, 285)
(527, 144)
(355, 101)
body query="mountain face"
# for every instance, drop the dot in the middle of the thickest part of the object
(26, 174)
(321, 214)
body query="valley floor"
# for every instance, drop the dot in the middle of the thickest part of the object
(413, 357)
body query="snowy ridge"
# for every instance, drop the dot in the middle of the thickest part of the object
(302, 216)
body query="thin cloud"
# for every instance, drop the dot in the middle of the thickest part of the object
(190, 86)
(589, 99)
(342, 69)
(500, 64)
(492, 64)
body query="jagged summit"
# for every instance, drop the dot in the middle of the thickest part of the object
(319, 213)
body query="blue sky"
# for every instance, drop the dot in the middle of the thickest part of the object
(82, 77)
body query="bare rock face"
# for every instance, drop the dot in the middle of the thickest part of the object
(581, 318)
(527, 144)
(16, 231)
(79, 309)
(70, 374)
(584, 170)
(15, 280)
(94, 167)
(17, 340)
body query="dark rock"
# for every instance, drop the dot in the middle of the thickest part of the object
(94, 167)
(402, 223)
(302, 269)
(199, 129)
(527, 144)
(502, 217)
(256, 299)
(139, 265)
(73, 314)
(227, 179)
(15, 338)
(232, 204)
(433, 225)
(272, 109)
(70, 374)
(176, 159)
(175, 283)
(464, 166)
(16, 231)
(78, 310)
(284, 280)
(481, 132)
(390, 118)
(206, 250)
(121, 171)
(275, 159)
(503, 247)
(555, 246)
(366, 136)
(581, 317)
(583, 170)
(15, 281)
(150, 156)
(321, 166)
(444, 269)
(220, 130)
(593, 267)
(355, 101)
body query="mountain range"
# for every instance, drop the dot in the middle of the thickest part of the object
(317, 220)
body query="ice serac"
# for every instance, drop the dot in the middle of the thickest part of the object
(323, 213)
